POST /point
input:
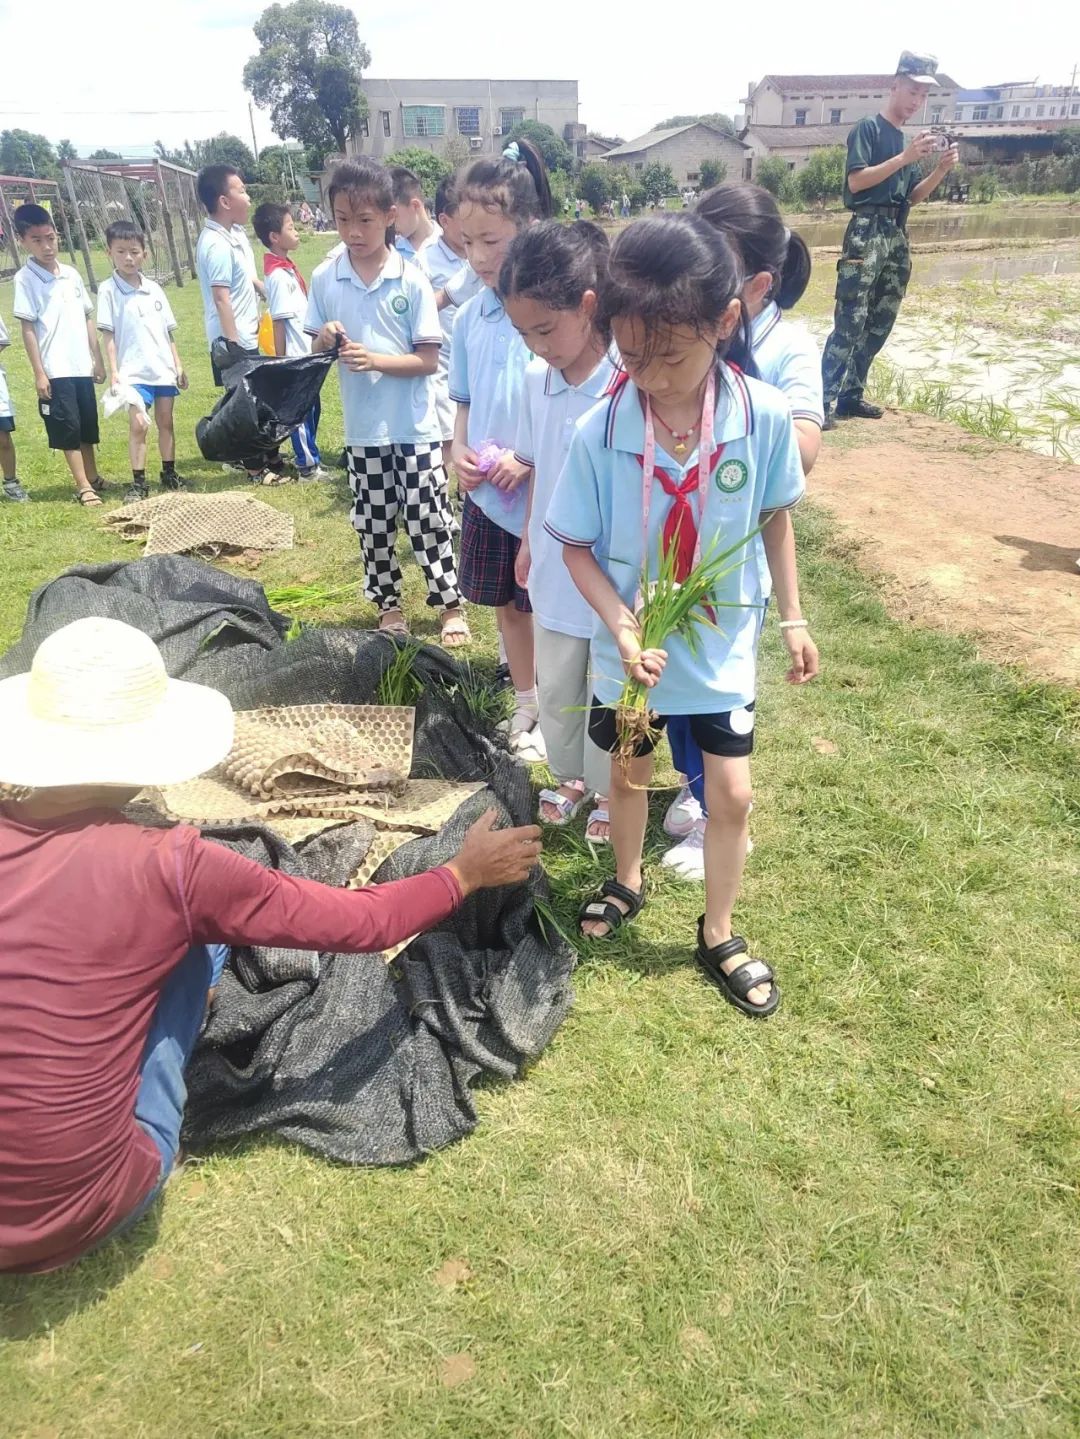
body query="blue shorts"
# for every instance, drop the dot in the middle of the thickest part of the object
(150, 393)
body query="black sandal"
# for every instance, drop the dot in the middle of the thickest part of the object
(610, 914)
(742, 979)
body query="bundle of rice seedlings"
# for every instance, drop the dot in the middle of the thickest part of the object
(672, 607)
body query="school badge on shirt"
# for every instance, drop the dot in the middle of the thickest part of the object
(731, 476)
(399, 304)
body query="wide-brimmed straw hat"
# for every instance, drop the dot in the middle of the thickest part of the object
(97, 708)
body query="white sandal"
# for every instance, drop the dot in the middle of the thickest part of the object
(567, 808)
(598, 816)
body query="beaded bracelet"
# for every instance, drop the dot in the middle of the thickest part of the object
(794, 624)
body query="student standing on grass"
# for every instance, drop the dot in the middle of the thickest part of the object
(381, 311)
(286, 299)
(452, 278)
(549, 285)
(58, 331)
(708, 453)
(498, 199)
(138, 324)
(776, 264)
(113, 936)
(883, 181)
(230, 290)
(12, 489)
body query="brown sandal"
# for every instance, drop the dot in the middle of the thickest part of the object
(88, 498)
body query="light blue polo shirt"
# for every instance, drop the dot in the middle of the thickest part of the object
(597, 505)
(787, 356)
(224, 257)
(488, 360)
(550, 410)
(391, 316)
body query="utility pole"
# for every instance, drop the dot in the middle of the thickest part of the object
(254, 142)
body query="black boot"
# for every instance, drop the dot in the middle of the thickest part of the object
(829, 423)
(859, 409)
(138, 491)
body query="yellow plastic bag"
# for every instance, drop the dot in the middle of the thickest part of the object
(266, 334)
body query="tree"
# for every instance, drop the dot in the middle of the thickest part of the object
(25, 153)
(594, 185)
(772, 174)
(560, 191)
(822, 177)
(66, 151)
(716, 120)
(657, 181)
(429, 169)
(557, 154)
(103, 155)
(308, 72)
(226, 149)
(456, 151)
(712, 172)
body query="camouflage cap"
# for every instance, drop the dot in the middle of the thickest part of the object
(919, 68)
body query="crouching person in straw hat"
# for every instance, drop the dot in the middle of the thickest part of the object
(113, 936)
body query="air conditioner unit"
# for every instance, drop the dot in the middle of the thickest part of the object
(497, 131)
(476, 142)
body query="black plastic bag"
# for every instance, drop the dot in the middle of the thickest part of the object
(265, 401)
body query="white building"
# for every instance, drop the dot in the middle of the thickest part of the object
(427, 113)
(799, 100)
(1020, 101)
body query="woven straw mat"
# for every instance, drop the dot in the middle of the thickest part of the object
(181, 524)
(270, 741)
(311, 749)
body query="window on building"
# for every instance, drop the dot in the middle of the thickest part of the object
(693, 177)
(639, 164)
(365, 128)
(508, 119)
(468, 119)
(581, 149)
(791, 164)
(1027, 112)
(1053, 109)
(1038, 111)
(420, 120)
(835, 117)
(800, 117)
(386, 122)
(980, 112)
(1015, 111)
(937, 114)
(1075, 110)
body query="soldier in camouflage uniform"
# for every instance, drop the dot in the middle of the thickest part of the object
(883, 181)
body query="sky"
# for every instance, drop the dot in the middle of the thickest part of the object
(176, 72)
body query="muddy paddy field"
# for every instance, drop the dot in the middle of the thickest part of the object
(966, 497)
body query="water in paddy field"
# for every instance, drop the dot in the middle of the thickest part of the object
(937, 226)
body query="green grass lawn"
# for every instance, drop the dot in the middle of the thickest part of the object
(857, 1219)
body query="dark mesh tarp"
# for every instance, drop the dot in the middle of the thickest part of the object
(357, 1062)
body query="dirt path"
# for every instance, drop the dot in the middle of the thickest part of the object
(976, 537)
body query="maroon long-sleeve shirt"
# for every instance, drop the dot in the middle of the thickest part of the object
(95, 912)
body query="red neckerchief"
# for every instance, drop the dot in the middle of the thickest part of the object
(282, 262)
(680, 528)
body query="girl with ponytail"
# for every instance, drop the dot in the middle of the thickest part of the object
(497, 200)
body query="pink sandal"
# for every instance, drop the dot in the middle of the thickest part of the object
(567, 808)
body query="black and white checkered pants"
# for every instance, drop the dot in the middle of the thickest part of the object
(386, 480)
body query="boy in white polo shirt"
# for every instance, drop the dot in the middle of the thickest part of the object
(56, 315)
(286, 298)
(12, 489)
(137, 321)
(230, 290)
(445, 265)
(381, 311)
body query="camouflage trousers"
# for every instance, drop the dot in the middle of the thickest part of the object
(871, 277)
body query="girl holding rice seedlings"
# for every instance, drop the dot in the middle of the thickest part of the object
(662, 488)
(497, 199)
(549, 285)
(776, 263)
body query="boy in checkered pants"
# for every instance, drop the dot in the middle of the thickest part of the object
(382, 312)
